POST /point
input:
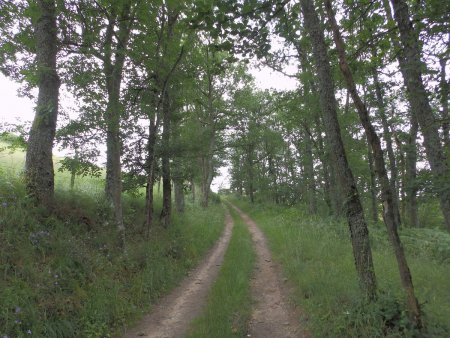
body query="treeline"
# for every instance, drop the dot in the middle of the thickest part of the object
(164, 85)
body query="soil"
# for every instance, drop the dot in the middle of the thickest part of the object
(171, 317)
(273, 315)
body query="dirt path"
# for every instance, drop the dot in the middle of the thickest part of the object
(273, 316)
(172, 315)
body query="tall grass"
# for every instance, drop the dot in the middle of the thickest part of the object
(64, 276)
(316, 255)
(227, 312)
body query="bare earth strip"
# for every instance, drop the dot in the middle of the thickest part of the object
(272, 316)
(172, 315)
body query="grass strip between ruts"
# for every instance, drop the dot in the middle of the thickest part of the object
(228, 309)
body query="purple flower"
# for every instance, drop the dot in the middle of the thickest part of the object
(18, 321)
(4, 204)
(5, 336)
(18, 309)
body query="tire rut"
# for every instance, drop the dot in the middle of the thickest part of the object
(171, 317)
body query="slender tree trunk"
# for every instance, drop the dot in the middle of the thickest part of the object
(179, 195)
(410, 174)
(113, 74)
(354, 211)
(39, 171)
(380, 167)
(166, 212)
(73, 170)
(390, 149)
(309, 171)
(250, 186)
(402, 169)
(373, 188)
(444, 103)
(420, 104)
(150, 168)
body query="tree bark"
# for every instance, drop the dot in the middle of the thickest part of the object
(39, 171)
(166, 212)
(373, 187)
(309, 171)
(179, 195)
(113, 74)
(390, 149)
(411, 173)
(420, 105)
(355, 216)
(444, 103)
(380, 167)
(150, 168)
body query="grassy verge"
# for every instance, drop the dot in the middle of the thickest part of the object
(63, 275)
(316, 256)
(229, 304)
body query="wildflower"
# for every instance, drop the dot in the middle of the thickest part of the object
(18, 321)
(4, 204)
(5, 336)
(29, 331)
(18, 309)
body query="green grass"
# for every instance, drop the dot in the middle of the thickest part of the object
(228, 309)
(316, 255)
(64, 276)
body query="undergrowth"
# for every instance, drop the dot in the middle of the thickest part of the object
(228, 308)
(316, 255)
(64, 276)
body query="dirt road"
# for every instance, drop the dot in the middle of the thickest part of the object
(172, 315)
(272, 314)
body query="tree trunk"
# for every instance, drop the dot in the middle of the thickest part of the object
(410, 174)
(150, 168)
(250, 187)
(39, 171)
(179, 195)
(309, 171)
(390, 150)
(354, 211)
(166, 211)
(420, 105)
(444, 103)
(373, 188)
(113, 74)
(380, 167)
(73, 170)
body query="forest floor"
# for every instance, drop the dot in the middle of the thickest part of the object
(272, 314)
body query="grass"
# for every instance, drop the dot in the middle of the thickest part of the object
(64, 276)
(228, 309)
(316, 255)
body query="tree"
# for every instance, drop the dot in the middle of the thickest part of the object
(412, 66)
(39, 172)
(354, 211)
(390, 208)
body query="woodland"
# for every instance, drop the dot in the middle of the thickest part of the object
(358, 155)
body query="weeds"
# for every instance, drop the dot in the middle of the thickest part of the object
(316, 255)
(63, 276)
